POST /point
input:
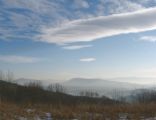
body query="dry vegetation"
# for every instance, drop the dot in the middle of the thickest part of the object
(33, 101)
(11, 111)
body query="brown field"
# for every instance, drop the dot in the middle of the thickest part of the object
(11, 111)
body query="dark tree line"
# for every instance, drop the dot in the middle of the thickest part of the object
(145, 96)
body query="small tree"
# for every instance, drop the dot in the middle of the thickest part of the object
(36, 84)
(82, 93)
(50, 87)
(9, 76)
(2, 76)
(56, 88)
(89, 94)
(59, 88)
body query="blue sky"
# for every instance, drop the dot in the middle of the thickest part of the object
(62, 39)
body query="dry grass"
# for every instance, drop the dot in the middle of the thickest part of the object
(11, 111)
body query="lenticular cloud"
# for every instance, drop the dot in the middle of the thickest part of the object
(99, 27)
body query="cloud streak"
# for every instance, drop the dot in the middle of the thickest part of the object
(148, 38)
(84, 30)
(76, 47)
(87, 59)
(17, 59)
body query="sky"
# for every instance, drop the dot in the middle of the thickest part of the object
(64, 39)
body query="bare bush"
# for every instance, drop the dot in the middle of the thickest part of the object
(36, 84)
(56, 88)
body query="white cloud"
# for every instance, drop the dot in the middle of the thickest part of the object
(99, 27)
(117, 6)
(39, 6)
(87, 59)
(43, 12)
(17, 59)
(81, 4)
(20, 23)
(75, 47)
(148, 38)
(146, 2)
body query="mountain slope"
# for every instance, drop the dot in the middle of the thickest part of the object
(10, 92)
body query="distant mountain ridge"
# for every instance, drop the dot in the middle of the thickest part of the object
(86, 82)
(104, 87)
(77, 81)
(137, 80)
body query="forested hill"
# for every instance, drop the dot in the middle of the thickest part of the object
(33, 93)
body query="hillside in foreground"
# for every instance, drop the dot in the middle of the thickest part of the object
(34, 93)
(32, 102)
